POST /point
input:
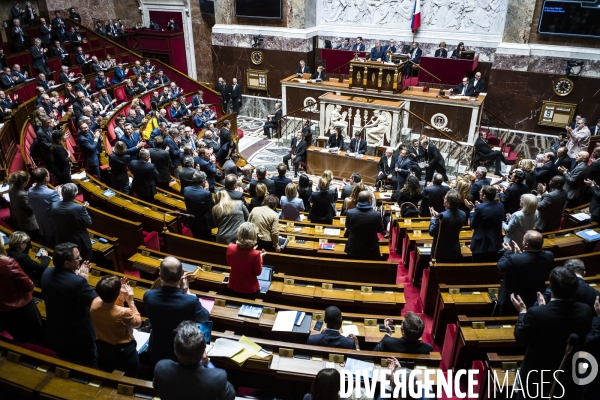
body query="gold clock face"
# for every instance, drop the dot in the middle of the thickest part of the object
(256, 57)
(563, 86)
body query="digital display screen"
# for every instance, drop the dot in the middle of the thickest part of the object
(270, 9)
(572, 18)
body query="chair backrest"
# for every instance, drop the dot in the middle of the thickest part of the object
(120, 94)
(290, 212)
(449, 344)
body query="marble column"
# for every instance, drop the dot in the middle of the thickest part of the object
(519, 16)
(224, 11)
(202, 43)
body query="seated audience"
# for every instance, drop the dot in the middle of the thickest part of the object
(412, 329)
(331, 336)
(245, 262)
(114, 325)
(189, 376)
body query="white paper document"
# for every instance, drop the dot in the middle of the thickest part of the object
(141, 340)
(284, 321)
(349, 330)
(581, 216)
(226, 348)
(331, 231)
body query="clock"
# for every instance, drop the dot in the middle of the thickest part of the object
(256, 57)
(563, 86)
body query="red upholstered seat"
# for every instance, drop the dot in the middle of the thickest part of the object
(494, 141)
(120, 94)
(480, 378)
(151, 241)
(39, 349)
(240, 133)
(449, 345)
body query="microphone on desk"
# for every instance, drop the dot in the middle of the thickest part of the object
(571, 342)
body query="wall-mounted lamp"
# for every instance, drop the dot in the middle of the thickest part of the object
(187, 12)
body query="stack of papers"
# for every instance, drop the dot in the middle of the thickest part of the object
(286, 320)
(239, 352)
(581, 216)
(141, 340)
(331, 231)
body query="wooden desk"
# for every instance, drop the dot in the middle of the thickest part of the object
(318, 161)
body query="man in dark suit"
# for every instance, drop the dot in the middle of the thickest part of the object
(403, 168)
(17, 12)
(412, 329)
(58, 27)
(161, 79)
(41, 198)
(434, 161)
(415, 58)
(594, 191)
(357, 144)
(261, 177)
(172, 147)
(378, 53)
(476, 85)
(177, 380)
(72, 221)
(236, 95)
(511, 197)
(45, 32)
(484, 152)
(144, 177)
(551, 204)
(319, 74)
(186, 173)
(433, 196)
(162, 162)
(73, 15)
(359, 45)
(298, 153)
(230, 187)
(91, 146)
(480, 181)
(525, 272)
(19, 36)
(67, 297)
(43, 82)
(206, 161)
(222, 87)
(197, 100)
(302, 69)
(461, 89)
(39, 58)
(281, 181)
(586, 294)
(199, 203)
(574, 180)
(544, 173)
(44, 139)
(346, 191)
(445, 229)
(331, 337)
(226, 142)
(6, 79)
(168, 306)
(563, 159)
(363, 224)
(81, 58)
(273, 121)
(486, 221)
(544, 331)
(387, 168)
(21, 76)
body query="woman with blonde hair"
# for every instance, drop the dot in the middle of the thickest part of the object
(19, 245)
(228, 215)
(245, 262)
(261, 192)
(522, 221)
(328, 175)
(463, 187)
(351, 201)
(528, 166)
(291, 204)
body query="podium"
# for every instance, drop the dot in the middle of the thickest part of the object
(375, 76)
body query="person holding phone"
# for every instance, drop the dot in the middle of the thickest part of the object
(412, 330)
(19, 245)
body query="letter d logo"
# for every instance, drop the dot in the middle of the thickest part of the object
(581, 368)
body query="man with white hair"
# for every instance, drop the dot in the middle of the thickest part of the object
(66, 76)
(386, 167)
(579, 138)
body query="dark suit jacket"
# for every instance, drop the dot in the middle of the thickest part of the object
(34, 269)
(486, 222)
(236, 92)
(174, 151)
(574, 184)
(358, 47)
(175, 382)
(118, 168)
(405, 166)
(277, 117)
(305, 70)
(210, 169)
(199, 203)
(80, 58)
(60, 161)
(335, 141)
(131, 143)
(38, 58)
(185, 177)
(331, 338)
(322, 76)
(417, 58)
(73, 220)
(566, 162)
(45, 142)
(69, 327)
(346, 191)
(280, 184)
(6, 81)
(476, 187)
(475, 89)
(458, 90)
(433, 196)
(379, 54)
(433, 156)
(401, 345)
(270, 186)
(545, 331)
(595, 171)
(383, 165)
(447, 244)
(300, 150)
(592, 346)
(363, 225)
(90, 149)
(595, 201)
(441, 53)
(482, 147)
(585, 294)
(511, 198)
(525, 274)
(144, 178)
(166, 308)
(360, 149)
(544, 174)
(321, 210)
(550, 210)
(161, 160)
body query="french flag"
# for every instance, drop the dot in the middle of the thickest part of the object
(416, 19)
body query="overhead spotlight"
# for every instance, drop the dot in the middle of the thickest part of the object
(258, 40)
(574, 67)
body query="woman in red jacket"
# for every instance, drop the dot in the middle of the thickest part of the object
(18, 312)
(245, 262)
